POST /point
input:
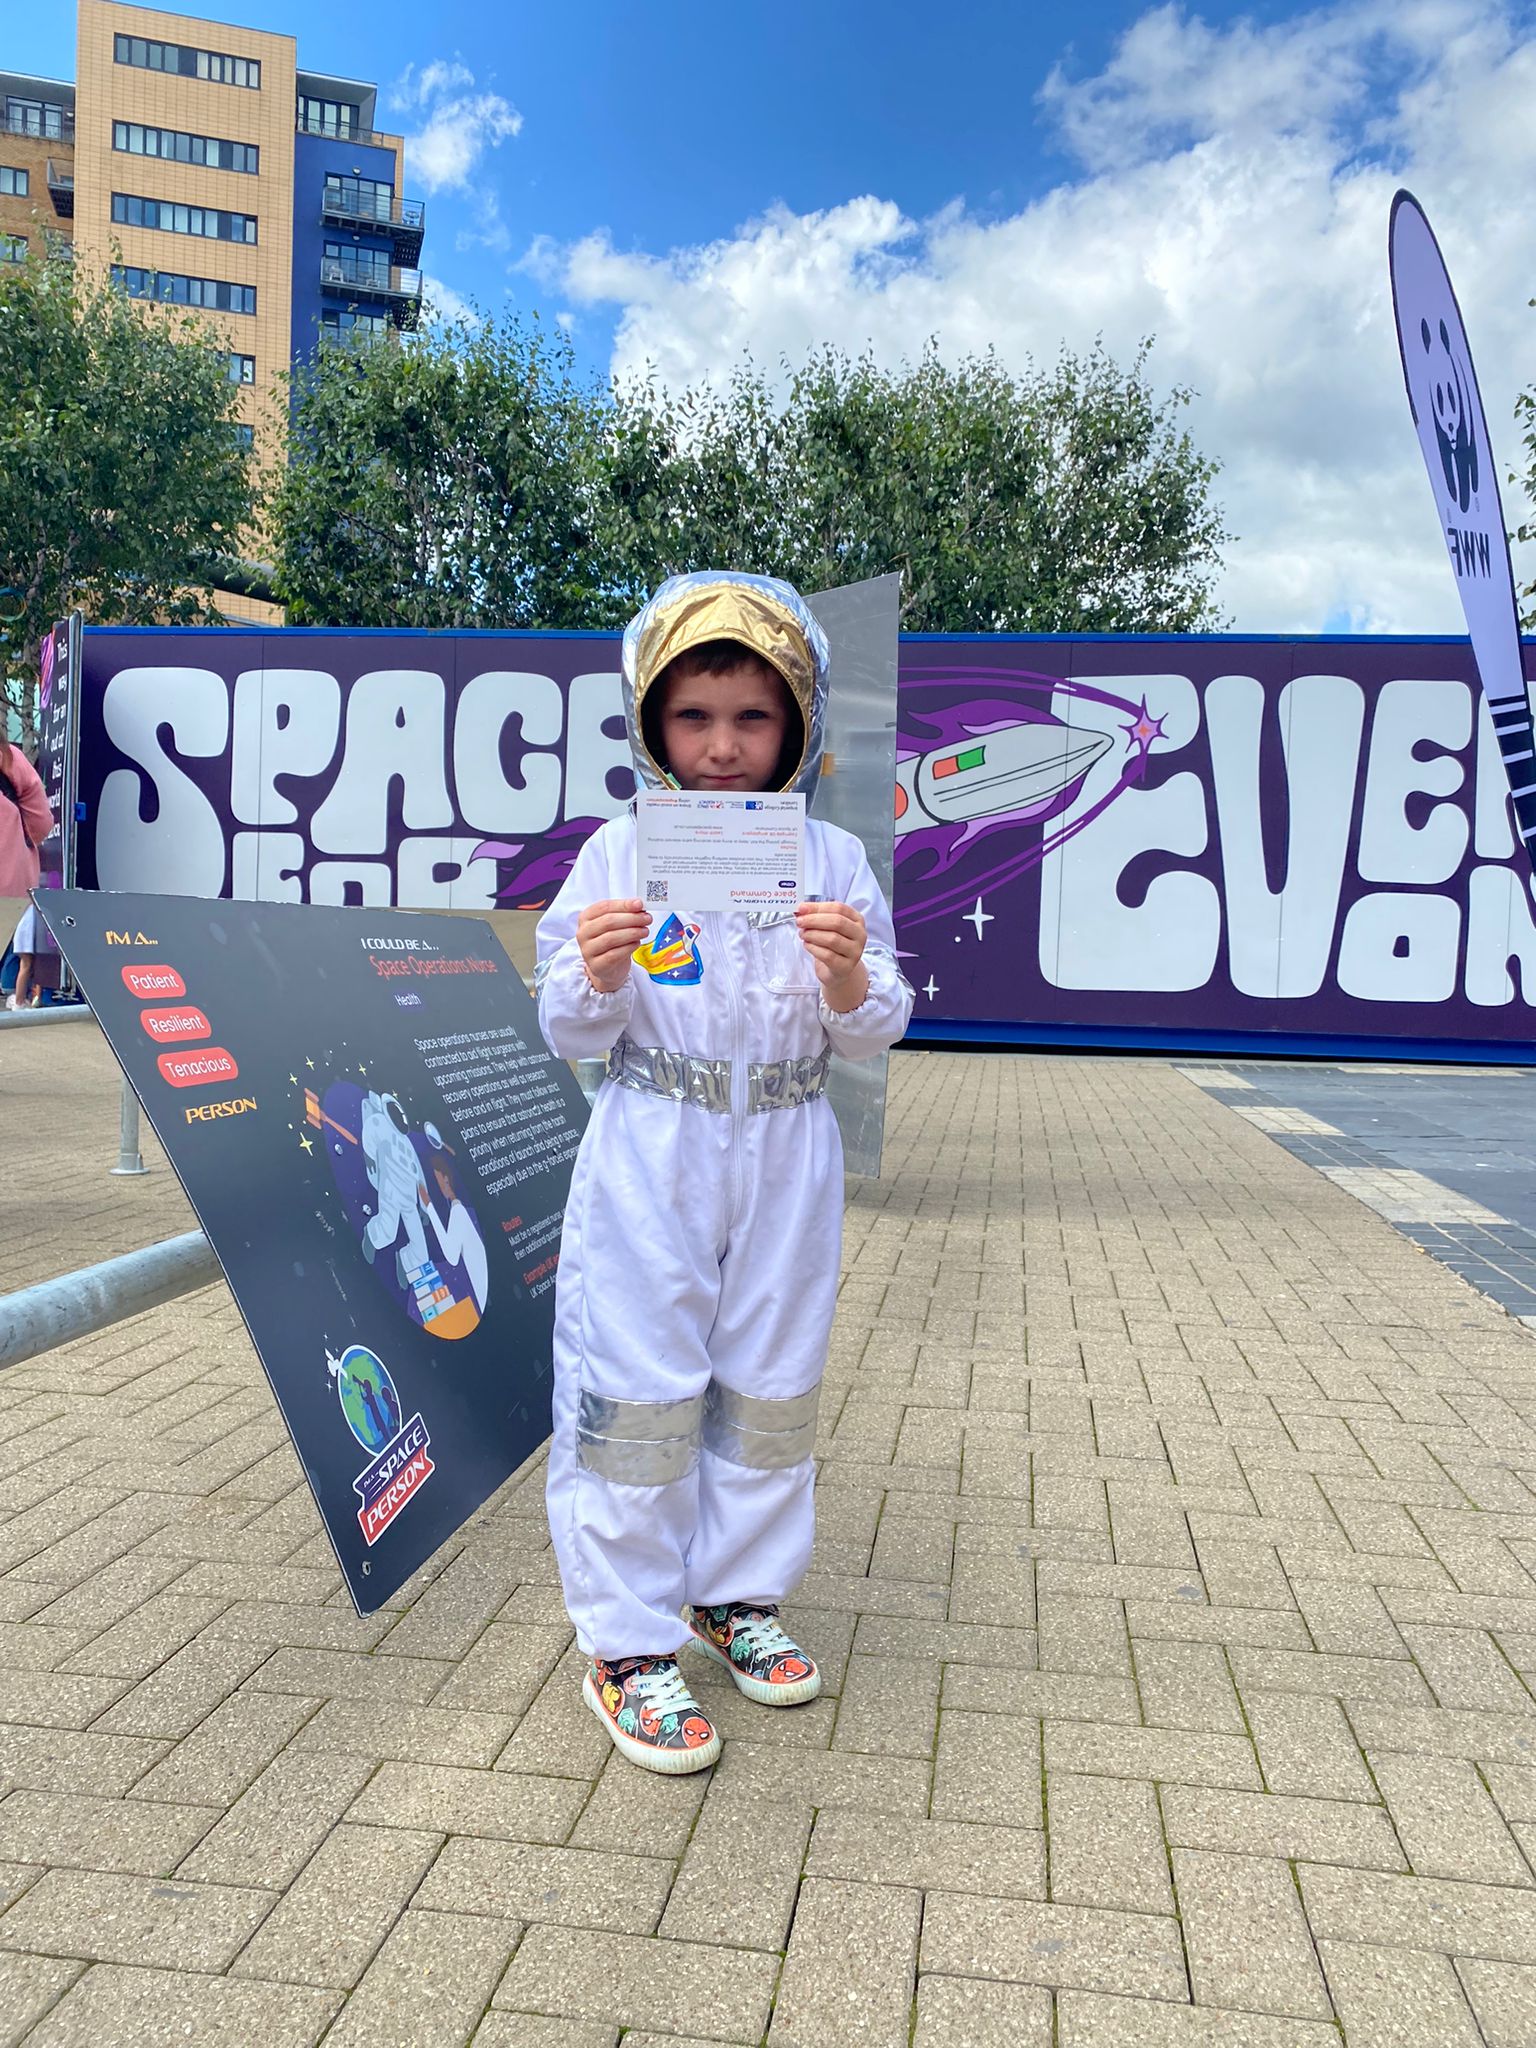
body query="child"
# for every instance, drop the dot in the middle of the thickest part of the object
(699, 1262)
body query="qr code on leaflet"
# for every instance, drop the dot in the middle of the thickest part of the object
(655, 892)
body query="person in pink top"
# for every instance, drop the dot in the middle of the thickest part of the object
(25, 822)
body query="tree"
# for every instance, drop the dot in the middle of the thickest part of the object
(1057, 501)
(121, 477)
(449, 482)
(470, 478)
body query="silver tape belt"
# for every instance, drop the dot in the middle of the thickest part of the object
(679, 1077)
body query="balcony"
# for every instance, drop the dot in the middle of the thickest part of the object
(61, 188)
(46, 123)
(361, 284)
(369, 138)
(403, 220)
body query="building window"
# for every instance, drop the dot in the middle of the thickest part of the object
(13, 184)
(177, 147)
(350, 322)
(343, 264)
(242, 369)
(242, 435)
(173, 289)
(327, 117)
(185, 62)
(38, 117)
(171, 217)
(362, 198)
(13, 248)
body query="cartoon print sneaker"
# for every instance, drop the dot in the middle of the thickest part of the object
(653, 1718)
(767, 1665)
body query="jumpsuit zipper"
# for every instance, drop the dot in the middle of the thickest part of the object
(738, 1073)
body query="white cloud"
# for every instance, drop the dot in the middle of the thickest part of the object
(443, 306)
(1231, 198)
(457, 124)
(490, 231)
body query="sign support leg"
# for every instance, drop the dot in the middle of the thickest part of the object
(129, 1158)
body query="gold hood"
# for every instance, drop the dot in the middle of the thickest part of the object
(762, 613)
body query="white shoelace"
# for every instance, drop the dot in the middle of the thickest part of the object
(764, 1637)
(667, 1691)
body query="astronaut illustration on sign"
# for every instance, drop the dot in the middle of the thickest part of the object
(394, 1171)
(383, 1170)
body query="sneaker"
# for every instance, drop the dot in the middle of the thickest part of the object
(652, 1717)
(767, 1665)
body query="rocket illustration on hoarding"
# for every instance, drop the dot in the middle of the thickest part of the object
(991, 779)
(1019, 768)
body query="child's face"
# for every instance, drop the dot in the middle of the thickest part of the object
(725, 731)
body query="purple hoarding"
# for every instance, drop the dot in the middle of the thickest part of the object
(1201, 837)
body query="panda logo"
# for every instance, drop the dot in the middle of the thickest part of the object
(1453, 416)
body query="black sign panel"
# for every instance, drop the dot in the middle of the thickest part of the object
(378, 1145)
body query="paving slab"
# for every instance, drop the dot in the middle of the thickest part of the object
(1179, 1532)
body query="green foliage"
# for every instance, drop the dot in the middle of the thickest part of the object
(471, 479)
(1059, 501)
(120, 477)
(450, 482)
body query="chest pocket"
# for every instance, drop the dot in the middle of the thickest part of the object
(783, 965)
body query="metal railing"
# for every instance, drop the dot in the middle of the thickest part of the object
(51, 124)
(61, 188)
(382, 212)
(370, 138)
(35, 1319)
(400, 290)
(353, 272)
(47, 1013)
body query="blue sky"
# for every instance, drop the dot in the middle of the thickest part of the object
(655, 123)
(676, 183)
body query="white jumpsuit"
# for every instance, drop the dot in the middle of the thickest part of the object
(699, 1263)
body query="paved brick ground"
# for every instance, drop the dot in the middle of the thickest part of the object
(1448, 1154)
(1176, 1587)
(60, 1207)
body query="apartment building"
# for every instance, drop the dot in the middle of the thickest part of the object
(209, 170)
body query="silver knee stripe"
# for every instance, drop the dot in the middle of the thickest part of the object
(637, 1443)
(764, 1435)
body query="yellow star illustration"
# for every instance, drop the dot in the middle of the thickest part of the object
(305, 1142)
(310, 1064)
(294, 1080)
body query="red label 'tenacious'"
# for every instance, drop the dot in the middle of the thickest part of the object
(197, 1069)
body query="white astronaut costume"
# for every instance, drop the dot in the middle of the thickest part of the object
(699, 1261)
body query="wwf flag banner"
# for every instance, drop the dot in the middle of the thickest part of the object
(363, 1113)
(1453, 435)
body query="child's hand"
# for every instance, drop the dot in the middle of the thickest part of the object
(608, 934)
(834, 934)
